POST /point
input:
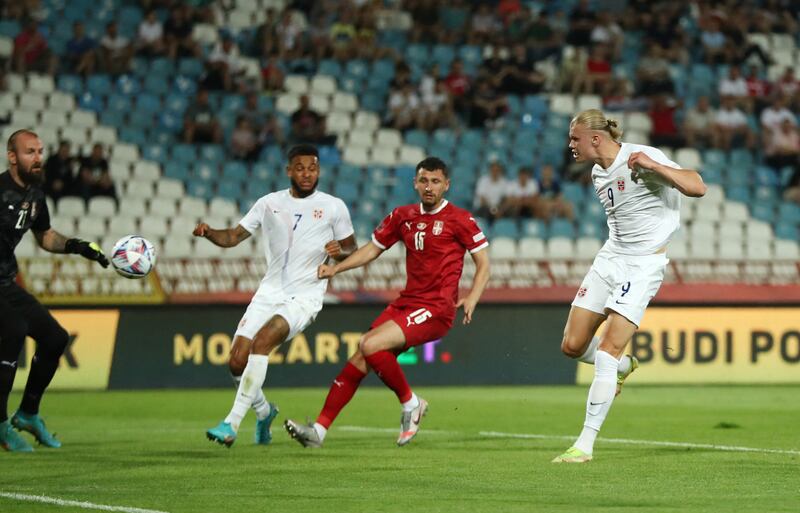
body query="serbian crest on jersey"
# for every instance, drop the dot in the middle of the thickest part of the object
(317, 213)
(621, 184)
(581, 291)
(438, 226)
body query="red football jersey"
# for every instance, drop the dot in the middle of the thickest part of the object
(435, 245)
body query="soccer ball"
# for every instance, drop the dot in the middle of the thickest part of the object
(133, 256)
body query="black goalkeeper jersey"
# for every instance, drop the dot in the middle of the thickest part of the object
(20, 209)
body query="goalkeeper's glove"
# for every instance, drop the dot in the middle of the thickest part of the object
(86, 249)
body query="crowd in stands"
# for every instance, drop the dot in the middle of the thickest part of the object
(690, 66)
(87, 176)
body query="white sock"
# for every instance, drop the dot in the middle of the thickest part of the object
(624, 364)
(249, 387)
(601, 395)
(411, 403)
(588, 356)
(260, 405)
(321, 431)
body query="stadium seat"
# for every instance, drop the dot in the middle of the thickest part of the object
(531, 248)
(562, 228)
(503, 247)
(102, 206)
(560, 248)
(169, 188)
(505, 228)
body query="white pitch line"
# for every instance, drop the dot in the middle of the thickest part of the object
(78, 504)
(627, 441)
(624, 441)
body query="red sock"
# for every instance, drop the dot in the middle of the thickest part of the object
(342, 390)
(386, 367)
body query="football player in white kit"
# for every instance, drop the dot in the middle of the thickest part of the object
(640, 189)
(302, 228)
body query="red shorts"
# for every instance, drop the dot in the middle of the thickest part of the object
(419, 325)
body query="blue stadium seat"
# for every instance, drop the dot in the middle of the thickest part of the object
(715, 158)
(156, 153)
(200, 189)
(190, 67)
(417, 54)
(185, 153)
(170, 122)
(91, 101)
(177, 171)
(262, 171)
(417, 138)
(373, 102)
(383, 68)
(133, 135)
(329, 156)
(444, 54)
(329, 67)
(162, 67)
(453, 18)
(562, 228)
(589, 228)
(232, 103)
(9, 28)
(349, 173)
(592, 209)
(784, 230)
(113, 118)
(346, 191)
(357, 68)
(738, 193)
(763, 212)
(470, 54)
(742, 157)
(712, 174)
(574, 193)
(156, 84)
(212, 152)
(738, 174)
(789, 212)
(764, 194)
(140, 119)
(505, 228)
(185, 85)
(235, 171)
(534, 228)
(128, 84)
(272, 155)
(176, 103)
(229, 189)
(535, 105)
(99, 85)
(766, 175)
(148, 102)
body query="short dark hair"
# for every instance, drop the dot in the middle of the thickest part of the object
(302, 150)
(12, 140)
(432, 164)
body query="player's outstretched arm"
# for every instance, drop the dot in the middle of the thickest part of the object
(52, 241)
(362, 256)
(479, 281)
(223, 238)
(687, 181)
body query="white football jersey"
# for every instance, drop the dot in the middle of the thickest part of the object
(295, 232)
(643, 216)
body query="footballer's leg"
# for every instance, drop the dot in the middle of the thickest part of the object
(618, 332)
(579, 341)
(270, 336)
(265, 411)
(342, 390)
(380, 347)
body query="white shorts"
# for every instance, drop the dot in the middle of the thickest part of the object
(298, 313)
(622, 283)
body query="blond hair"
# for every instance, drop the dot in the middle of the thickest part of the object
(594, 119)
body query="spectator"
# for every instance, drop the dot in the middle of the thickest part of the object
(458, 86)
(404, 108)
(741, 49)
(552, 202)
(244, 142)
(758, 89)
(484, 25)
(522, 196)
(94, 178)
(437, 108)
(596, 79)
(607, 33)
(80, 51)
(714, 42)
(789, 86)
(519, 75)
(224, 66)
(487, 106)
(735, 86)
(342, 35)
(266, 127)
(307, 125)
(665, 129)
(150, 40)
(782, 146)
(542, 40)
(199, 123)
(290, 34)
(581, 23)
(31, 52)
(698, 124)
(490, 192)
(773, 116)
(426, 26)
(59, 172)
(731, 126)
(272, 75)
(115, 51)
(653, 73)
(178, 34)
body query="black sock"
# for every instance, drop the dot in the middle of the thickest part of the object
(7, 373)
(42, 372)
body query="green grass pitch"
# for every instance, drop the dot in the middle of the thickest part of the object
(148, 450)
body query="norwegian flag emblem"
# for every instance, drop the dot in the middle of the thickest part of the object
(581, 291)
(317, 213)
(621, 184)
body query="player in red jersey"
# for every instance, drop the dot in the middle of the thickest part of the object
(436, 235)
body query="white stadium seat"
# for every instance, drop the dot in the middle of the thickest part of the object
(735, 211)
(82, 119)
(54, 119)
(193, 208)
(162, 207)
(503, 247)
(560, 248)
(530, 247)
(169, 188)
(297, 84)
(384, 156)
(223, 208)
(104, 135)
(136, 189)
(146, 171)
(356, 155)
(410, 155)
(562, 104)
(125, 152)
(323, 84)
(31, 101)
(689, 158)
(730, 231)
(102, 206)
(345, 102)
(91, 227)
(389, 137)
(338, 122)
(61, 102)
(70, 206)
(319, 103)
(366, 120)
(287, 103)
(360, 138)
